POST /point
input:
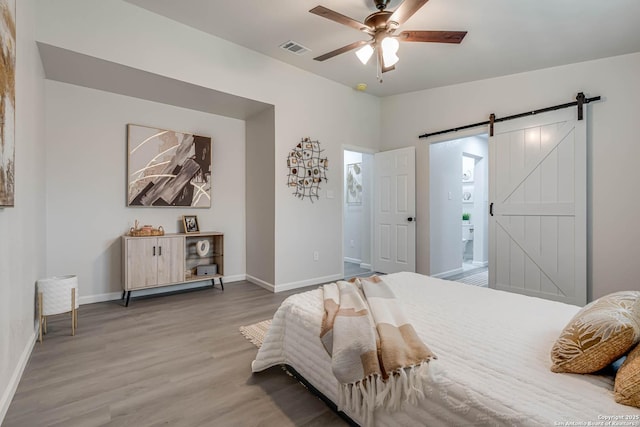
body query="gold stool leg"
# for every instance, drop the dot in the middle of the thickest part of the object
(40, 315)
(73, 311)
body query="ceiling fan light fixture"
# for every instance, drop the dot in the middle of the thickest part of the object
(364, 53)
(389, 48)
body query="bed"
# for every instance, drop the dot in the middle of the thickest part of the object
(493, 358)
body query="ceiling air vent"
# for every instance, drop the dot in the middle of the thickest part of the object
(294, 47)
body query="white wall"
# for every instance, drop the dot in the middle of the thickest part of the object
(612, 137)
(260, 198)
(305, 105)
(445, 202)
(86, 183)
(353, 214)
(445, 179)
(358, 229)
(22, 254)
(478, 148)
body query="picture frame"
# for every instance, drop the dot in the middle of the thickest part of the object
(354, 184)
(190, 223)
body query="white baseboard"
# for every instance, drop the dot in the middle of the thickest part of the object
(448, 273)
(90, 299)
(366, 266)
(268, 286)
(352, 260)
(308, 282)
(12, 386)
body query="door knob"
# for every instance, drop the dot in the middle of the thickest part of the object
(411, 218)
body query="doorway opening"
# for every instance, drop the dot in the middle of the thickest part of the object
(357, 213)
(458, 200)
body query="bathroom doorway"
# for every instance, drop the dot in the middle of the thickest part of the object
(357, 213)
(458, 200)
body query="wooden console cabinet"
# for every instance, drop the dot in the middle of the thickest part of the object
(151, 262)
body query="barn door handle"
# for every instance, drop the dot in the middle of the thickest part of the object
(411, 218)
(154, 251)
(160, 250)
(491, 209)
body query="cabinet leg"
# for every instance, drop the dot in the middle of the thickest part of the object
(123, 292)
(40, 316)
(128, 297)
(221, 284)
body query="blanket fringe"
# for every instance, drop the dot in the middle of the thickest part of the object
(403, 385)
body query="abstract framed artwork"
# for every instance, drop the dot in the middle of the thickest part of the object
(7, 102)
(168, 168)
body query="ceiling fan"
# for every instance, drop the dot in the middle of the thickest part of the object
(381, 26)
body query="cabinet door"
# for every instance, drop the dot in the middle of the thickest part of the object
(170, 260)
(142, 265)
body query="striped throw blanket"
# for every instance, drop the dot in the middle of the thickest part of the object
(376, 354)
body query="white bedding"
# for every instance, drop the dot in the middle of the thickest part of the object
(493, 358)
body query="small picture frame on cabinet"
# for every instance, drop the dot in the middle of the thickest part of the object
(190, 223)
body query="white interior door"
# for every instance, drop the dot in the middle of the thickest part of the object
(537, 191)
(394, 211)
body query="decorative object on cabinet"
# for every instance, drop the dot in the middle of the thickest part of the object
(152, 262)
(8, 95)
(168, 168)
(354, 183)
(202, 247)
(57, 295)
(467, 196)
(190, 223)
(207, 269)
(307, 169)
(466, 216)
(145, 230)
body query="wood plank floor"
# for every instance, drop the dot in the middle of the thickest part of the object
(174, 360)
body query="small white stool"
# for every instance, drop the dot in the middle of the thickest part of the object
(58, 295)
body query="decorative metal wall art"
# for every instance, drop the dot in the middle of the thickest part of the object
(7, 101)
(307, 169)
(168, 168)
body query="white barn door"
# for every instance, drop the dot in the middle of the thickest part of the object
(537, 195)
(394, 211)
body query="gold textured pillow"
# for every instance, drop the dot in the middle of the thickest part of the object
(599, 334)
(627, 386)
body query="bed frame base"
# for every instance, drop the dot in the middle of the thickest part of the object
(291, 371)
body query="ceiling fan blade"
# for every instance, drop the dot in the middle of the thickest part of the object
(406, 10)
(432, 36)
(341, 50)
(339, 18)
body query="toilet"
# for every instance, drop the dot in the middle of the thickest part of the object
(467, 236)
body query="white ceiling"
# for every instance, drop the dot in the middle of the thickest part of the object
(504, 36)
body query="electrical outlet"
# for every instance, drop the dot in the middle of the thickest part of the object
(316, 255)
